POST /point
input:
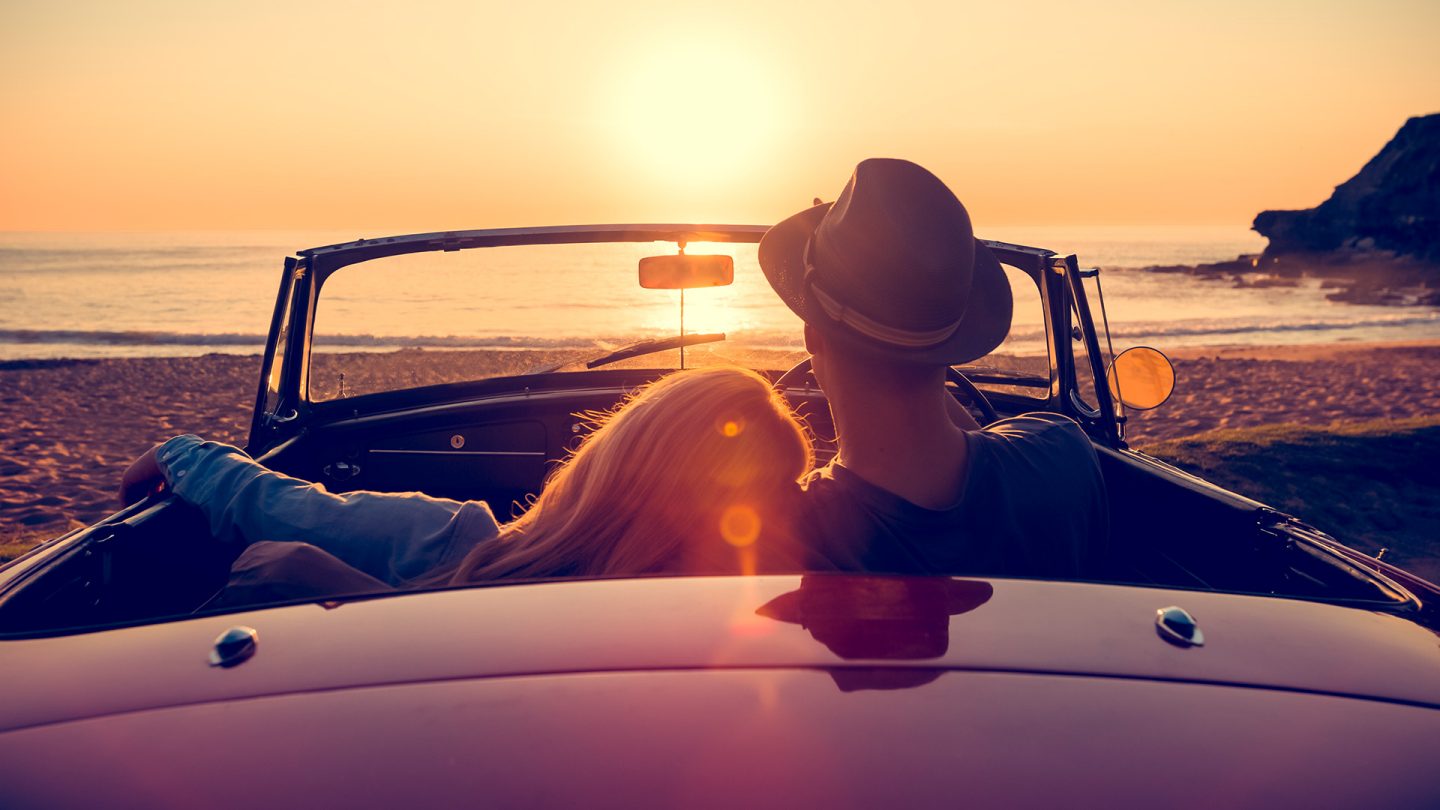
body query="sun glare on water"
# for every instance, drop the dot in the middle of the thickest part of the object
(695, 113)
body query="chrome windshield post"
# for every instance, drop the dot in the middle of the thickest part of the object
(1104, 414)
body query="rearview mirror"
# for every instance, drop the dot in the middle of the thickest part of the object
(1142, 378)
(685, 272)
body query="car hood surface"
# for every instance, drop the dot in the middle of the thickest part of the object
(732, 738)
(861, 632)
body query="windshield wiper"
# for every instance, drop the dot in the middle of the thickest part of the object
(655, 345)
(633, 350)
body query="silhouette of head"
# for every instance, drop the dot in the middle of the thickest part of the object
(872, 618)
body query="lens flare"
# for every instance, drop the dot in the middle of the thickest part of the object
(732, 428)
(740, 525)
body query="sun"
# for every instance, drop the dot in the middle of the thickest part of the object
(693, 112)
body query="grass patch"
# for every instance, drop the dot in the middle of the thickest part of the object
(1372, 485)
(15, 542)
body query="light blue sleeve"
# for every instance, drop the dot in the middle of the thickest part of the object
(391, 536)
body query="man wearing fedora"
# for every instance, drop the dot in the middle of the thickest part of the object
(894, 288)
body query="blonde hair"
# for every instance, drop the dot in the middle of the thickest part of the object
(693, 473)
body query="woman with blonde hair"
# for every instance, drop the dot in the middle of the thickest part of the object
(694, 473)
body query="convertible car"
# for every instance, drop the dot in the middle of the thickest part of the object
(1230, 656)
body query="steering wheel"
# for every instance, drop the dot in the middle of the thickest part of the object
(801, 369)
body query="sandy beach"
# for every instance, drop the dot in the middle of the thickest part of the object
(1239, 387)
(70, 427)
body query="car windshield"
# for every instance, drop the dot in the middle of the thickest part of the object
(452, 316)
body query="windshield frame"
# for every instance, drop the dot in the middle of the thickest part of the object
(1055, 277)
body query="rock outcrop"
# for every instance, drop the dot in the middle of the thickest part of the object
(1391, 207)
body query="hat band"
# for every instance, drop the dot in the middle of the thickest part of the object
(875, 330)
(870, 328)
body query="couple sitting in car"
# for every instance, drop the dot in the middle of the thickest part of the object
(708, 471)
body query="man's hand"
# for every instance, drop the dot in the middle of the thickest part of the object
(142, 479)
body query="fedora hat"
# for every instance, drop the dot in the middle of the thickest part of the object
(892, 269)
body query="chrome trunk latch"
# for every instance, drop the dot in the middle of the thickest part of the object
(1178, 627)
(234, 646)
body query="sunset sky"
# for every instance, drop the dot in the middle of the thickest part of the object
(176, 114)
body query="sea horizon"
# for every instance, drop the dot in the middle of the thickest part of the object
(151, 293)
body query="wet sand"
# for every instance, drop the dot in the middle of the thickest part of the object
(69, 428)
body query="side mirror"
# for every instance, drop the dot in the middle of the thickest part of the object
(685, 272)
(1142, 378)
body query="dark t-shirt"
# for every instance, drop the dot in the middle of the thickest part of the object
(1033, 505)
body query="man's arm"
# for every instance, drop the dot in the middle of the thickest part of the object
(143, 477)
(391, 536)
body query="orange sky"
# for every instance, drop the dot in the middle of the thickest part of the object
(172, 114)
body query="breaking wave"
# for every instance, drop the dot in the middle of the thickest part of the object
(227, 339)
(1200, 329)
(1181, 331)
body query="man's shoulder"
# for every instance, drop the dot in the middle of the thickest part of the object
(1035, 423)
(832, 494)
(998, 448)
(1038, 476)
(1036, 432)
(1034, 452)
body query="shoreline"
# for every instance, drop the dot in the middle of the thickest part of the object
(69, 428)
(1351, 276)
(1296, 352)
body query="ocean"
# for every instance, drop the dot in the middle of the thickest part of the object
(189, 293)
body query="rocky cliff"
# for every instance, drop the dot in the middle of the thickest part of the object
(1392, 206)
